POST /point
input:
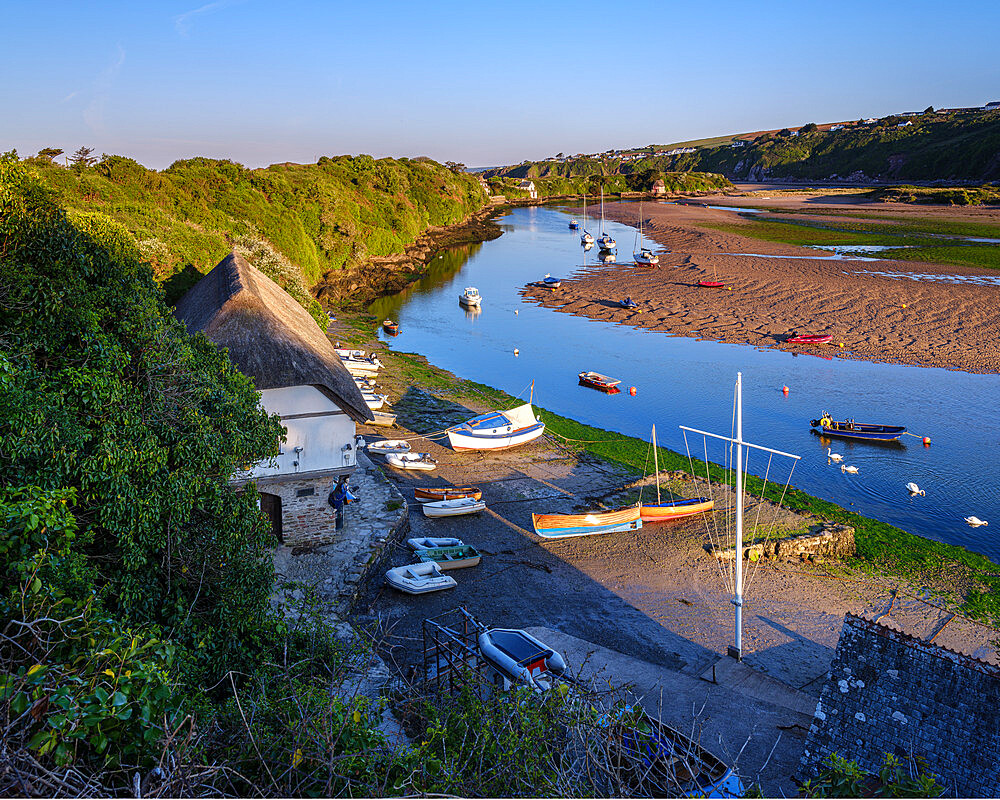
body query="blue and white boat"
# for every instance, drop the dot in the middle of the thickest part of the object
(497, 430)
(558, 526)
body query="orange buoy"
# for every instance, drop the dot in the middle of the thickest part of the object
(927, 441)
(784, 390)
(632, 391)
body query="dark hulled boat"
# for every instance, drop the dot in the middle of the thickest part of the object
(864, 431)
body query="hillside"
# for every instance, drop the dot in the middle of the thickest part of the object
(590, 180)
(320, 217)
(947, 147)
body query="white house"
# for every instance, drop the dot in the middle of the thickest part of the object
(529, 187)
(273, 340)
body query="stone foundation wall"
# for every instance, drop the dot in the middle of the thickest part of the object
(306, 517)
(830, 541)
(889, 692)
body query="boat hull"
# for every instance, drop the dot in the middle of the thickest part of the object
(453, 508)
(387, 446)
(422, 578)
(600, 382)
(382, 419)
(860, 431)
(457, 557)
(400, 461)
(644, 260)
(662, 512)
(469, 301)
(463, 441)
(812, 339)
(559, 526)
(447, 493)
(711, 284)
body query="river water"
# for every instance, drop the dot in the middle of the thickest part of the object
(683, 381)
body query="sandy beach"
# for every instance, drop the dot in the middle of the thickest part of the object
(934, 322)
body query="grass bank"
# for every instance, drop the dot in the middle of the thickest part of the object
(972, 580)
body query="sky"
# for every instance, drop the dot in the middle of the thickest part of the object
(482, 83)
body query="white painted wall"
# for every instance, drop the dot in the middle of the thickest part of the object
(323, 439)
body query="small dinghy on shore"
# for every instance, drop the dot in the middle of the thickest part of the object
(550, 282)
(810, 338)
(595, 380)
(712, 284)
(420, 578)
(453, 508)
(518, 657)
(558, 526)
(430, 542)
(417, 461)
(433, 494)
(387, 446)
(456, 557)
(373, 400)
(382, 419)
(361, 366)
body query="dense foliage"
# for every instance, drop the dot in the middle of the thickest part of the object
(839, 777)
(593, 183)
(321, 216)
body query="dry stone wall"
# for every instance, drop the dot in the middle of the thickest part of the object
(889, 692)
(830, 541)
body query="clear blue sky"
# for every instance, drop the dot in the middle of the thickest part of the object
(479, 82)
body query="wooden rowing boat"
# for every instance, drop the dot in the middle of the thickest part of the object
(434, 494)
(674, 509)
(595, 380)
(557, 526)
(390, 327)
(382, 419)
(811, 338)
(863, 431)
(453, 508)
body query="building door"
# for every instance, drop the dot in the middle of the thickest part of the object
(270, 504)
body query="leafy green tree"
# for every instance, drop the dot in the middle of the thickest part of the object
(809, 127)
(49, 153)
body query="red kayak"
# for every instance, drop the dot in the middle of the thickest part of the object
(711, 284)
(811, 338)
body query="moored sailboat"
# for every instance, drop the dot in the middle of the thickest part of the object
(605, 242)
(586, 238)
(643, 256)
(497, 430)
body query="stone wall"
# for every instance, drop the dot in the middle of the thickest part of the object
(829, 541)
(306, 517)
(889, 692)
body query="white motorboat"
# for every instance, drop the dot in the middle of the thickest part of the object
(497, 430)
(453, 508)
(383, 419)
(643, 256)
(374, 401)
(430, 542)
(605, 242)
(470, 297)
(362, 366)
(421, 578)
(387, 446)
(418, 461)
(518, 657)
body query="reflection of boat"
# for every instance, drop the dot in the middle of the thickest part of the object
(811, 338)
(596, 380)
(419, 578)
(586, 238)
(643, 256)
(383, 419)
(670, 509)
(418, 461)
(453, 508)
(386, 446)
(457, 557)
(427, 495)
(470, 297)
(607, 257)
(605, 242)
(849, 429)
(390, 327)
(652, 759)
(497, 430)
(518, 657)
(556, 526)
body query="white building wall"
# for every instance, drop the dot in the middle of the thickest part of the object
(315, 424)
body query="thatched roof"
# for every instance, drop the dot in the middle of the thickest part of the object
(269, 336)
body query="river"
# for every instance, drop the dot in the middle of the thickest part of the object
(684, 381)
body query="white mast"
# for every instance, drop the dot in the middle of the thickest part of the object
(656, 463)
(737, 650)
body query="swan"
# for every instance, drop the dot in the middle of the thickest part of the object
(834, 456)
(912, 488)
(852, 470)
(975, 522)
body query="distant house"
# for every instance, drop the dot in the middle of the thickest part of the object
(994, 106)
(904, 124)
(837, 128)
(659, 187)
(529, 187)
(485, 186)
(870, 121)
(738, 143)
(274, 341)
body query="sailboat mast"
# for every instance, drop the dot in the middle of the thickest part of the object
(737, 651)
(656, 463)
(531, 396)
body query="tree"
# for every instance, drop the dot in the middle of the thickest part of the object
(784, 132)
(455, 167)
(49, 153)
(559, 155)
(810, 127)
(929, 110)
(82, 158)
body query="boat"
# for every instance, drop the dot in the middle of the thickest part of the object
(670, 509)
(374, 401)
(651, 759)
(418, 461)
(390, 327)
(552, 283)
(557, 526)
(421, 578)
(849, 429)
(605, 242)
(629, 303)
(586, 238)
(712, 284)
(453, 508)
(517, 657)
(386, 446)
(811, 338)
(643, 256)
(362, 365)
(470, 297)
(457, 557)
(574, 225)
(383, 419)
(344, 352)
(497, 430)
(430, 495)
(430, 542)
(595, 380)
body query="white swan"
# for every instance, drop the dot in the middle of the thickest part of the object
(975, 522)
(852, 470)
(912, 488)
(834, 456)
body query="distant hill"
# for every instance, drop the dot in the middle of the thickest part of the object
(954, 146)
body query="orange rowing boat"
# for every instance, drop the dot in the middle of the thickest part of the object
(435, 494)
(555, 526)
(674, 509)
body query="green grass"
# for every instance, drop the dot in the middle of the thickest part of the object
(806, 234)
(982, 256)
(940, 227)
